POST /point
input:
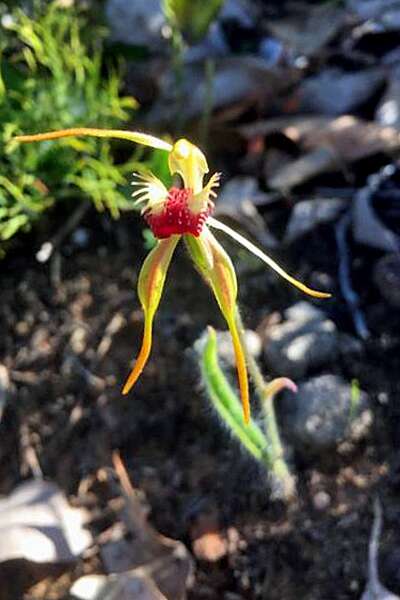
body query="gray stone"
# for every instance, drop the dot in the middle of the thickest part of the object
(388, 109)
(225, 347)
(350, 347)
(321, 501)
(386, 13)
(306, 340)
(323, 414)
(303, 312)
(238, 80)
(138, 22)
(337, 92)
(243, 11)
(386, 276)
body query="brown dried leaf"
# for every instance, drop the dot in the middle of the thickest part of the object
(343, 140)
(166, 563)
(353, 139)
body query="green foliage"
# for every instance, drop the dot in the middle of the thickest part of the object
(355, 398)
(192, 17)
(52, 77)
(149, 241)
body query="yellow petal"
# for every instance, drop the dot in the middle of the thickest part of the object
(216, 267)
(189, 162)
(265, 258)
(150, 287)
(132, 136)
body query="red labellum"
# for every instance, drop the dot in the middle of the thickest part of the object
(176, 217)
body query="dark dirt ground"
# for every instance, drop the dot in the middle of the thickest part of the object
(70, 330)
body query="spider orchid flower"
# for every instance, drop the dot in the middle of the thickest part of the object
(182, 213)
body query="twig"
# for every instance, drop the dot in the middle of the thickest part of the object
(209, 72)
(29, 453)
(375, 590)
(349, 294)
(114, 326)
(136, 513)
(374, 547)
(46, 250)
(5, 388)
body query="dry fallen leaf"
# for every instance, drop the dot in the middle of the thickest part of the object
(238, 200)
(302, 169)
(331, 147)
(352, 139)
(334, 91)
(308, 214)
(163, 562)
(38, 525)
(294, 127)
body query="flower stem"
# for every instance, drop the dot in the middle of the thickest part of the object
(282, 481)
(226, 402)
(178, 51)
(209, 72)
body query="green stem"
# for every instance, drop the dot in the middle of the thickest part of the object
(178, 49)
(226, 402)
(209, 72)
(283, 481)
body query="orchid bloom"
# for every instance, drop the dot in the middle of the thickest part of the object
(182, 212)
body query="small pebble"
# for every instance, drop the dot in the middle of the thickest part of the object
(321, 500)
(306, 340)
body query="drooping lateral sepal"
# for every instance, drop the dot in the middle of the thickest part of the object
(150, 288)
(217, 269)
(265, 258)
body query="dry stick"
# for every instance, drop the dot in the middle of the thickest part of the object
(374, 547)
(29, 453)
(5, 388)
(351, 297)
(137, 516)
(49, 246)
(375, 590)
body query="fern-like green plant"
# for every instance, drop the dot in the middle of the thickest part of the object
(52, 76)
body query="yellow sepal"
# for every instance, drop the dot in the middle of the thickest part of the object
(265, 258)
(189, 162)
(132, 136)
(217, 269)
(150, 287)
